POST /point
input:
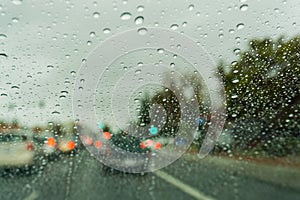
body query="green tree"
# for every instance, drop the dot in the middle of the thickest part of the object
(263, 85)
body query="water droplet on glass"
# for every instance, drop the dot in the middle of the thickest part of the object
(139, 20)
(240, 26)
(140, 8)
(3, 36)
(231, 31)
(125, 16)
(17, 2)
(72, 73)
(3, 55)
(106, 31)
(237, 50)
(55, 113)
(15, 87)
(92, 34)
(96, 15)
(234, 96)
(160, 50)
(235, 80)
(244, 7)
(15, 20)
(191, 7)
(142, 31)
(174, 26)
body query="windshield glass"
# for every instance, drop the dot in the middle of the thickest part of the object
(150, 99)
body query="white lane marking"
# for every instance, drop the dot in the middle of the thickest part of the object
(34, 195)
(182, 186)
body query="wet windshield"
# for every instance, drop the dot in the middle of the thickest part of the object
(149, 99)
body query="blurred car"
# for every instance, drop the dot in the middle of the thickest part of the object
(46, 145)
(130, 144)
(67, 144)
(50, 144)
(16, 149)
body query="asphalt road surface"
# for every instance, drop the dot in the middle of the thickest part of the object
(82, 177)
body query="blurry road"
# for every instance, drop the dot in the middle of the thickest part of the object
(82, 177)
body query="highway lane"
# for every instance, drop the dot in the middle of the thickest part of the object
(80, 176)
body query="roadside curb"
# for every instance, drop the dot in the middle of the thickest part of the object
(282, 175)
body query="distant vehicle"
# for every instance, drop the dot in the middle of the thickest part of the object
(16, 149)
(67, 144)
(45, 143)
(131, 144)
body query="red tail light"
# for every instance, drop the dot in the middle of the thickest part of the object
(70, 145)
(29, 146)
(51, 142)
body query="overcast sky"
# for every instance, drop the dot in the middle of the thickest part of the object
(42, 43)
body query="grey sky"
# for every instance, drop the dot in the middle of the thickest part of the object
(36, 34)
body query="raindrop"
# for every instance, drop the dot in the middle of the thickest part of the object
(15, 87)
(15, 20)
(125, 16)
(244, 7)
(160, 50)
(237, 50)
(142, 31)
(240, 26)
(235, 80)
(174, 26)
(140, 8)
(139, 20)
(3, 36)
(92, 34)
(106, 31)
(234, 96)
(3, 55)
(138, 71)
(17, 2)
(55, 113)
(96, 15)
(191, 7)
(72, 73)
